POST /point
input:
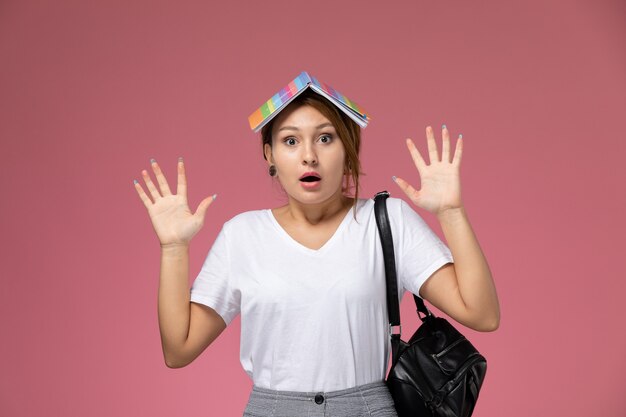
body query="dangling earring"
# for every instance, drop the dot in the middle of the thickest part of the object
(272, 170)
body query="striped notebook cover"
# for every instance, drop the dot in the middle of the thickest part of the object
(282, 98)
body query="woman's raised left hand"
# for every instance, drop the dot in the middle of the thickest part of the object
(440, 181)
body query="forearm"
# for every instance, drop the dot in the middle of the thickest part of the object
(174, 298)
(474, 278)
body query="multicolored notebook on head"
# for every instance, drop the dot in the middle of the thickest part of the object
(282, 98)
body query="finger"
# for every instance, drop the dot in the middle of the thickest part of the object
(182, 179)
(146, 200)
(445, 147)
(458, 151)
(165, 188)
(153, 191)
(415, 154)
(407, 188)
(432, 145)
(203, 206)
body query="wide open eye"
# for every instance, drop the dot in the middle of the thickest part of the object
(329, 137)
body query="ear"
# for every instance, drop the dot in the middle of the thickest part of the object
(267, 150)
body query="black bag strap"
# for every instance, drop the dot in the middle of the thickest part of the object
(386, 238)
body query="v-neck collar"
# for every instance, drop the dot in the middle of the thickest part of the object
(326, 245)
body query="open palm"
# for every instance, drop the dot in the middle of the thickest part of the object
(172, 220)
(440, 181)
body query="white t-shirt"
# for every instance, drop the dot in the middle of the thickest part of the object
(315, 320)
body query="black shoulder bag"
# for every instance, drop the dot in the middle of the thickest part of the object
(438, 372)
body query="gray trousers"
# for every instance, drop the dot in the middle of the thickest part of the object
(371, 399)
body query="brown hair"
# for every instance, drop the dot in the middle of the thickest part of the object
(348, 130)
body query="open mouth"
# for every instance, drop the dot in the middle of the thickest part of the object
(310, 179)
(310, 182)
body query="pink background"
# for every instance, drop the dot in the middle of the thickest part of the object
(90, 92)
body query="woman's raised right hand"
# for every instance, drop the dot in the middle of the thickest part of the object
(171, 218)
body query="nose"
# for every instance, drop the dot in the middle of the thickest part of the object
(309, 157)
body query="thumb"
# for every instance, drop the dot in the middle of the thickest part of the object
(408, 189)
(204, 205)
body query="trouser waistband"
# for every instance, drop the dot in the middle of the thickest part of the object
(327, 394)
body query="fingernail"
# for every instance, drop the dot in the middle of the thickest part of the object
(135, 181)
(152, 160)
(460, 136)
(180, 159)
(393, 177)
(214, 196)
(443, 126)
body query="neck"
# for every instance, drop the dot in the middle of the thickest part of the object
(319, 212)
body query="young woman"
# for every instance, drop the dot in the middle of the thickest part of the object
(308, 277)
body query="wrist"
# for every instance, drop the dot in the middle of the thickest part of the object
(451, 213)
(174, 247)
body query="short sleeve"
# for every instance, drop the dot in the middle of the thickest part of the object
(421, 250)
(214, 286)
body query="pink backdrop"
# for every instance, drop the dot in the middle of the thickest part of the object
(90, 92)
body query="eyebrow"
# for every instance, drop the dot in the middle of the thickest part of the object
(295, 128)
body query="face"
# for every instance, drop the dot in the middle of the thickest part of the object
(304, 141)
